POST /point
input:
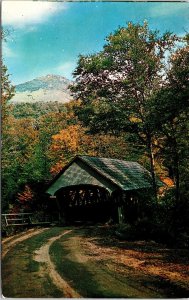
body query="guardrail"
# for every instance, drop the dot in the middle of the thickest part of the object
(17, 219)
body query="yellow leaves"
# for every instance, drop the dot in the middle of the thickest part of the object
(66, 144)
(68, 138)
(22, 128)
(57, 168)
(24, 134)
(110, 146)
(71, 105)
(54, 147)
(135, 119)
(167, 180)
(75, 140)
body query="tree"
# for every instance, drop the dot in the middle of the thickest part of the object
(117, 85)
(170, 115)
(74, 140)
(19, 139)
(7, 92)
(26, 143)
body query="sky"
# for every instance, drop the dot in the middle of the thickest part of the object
(47, 37)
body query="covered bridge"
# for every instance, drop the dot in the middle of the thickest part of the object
(99, 189)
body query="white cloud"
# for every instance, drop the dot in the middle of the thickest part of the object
(7, 52)
(65, 69)
(21, 13)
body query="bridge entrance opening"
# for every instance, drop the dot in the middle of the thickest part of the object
(86, 203)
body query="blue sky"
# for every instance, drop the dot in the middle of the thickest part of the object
(47, 37)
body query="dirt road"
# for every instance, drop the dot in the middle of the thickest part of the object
(91, 262)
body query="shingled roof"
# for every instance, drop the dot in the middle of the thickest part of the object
(127, 175)
(110, 173)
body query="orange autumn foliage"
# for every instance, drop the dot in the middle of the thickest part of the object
(74, 140)
(68, 138)
(26, 195)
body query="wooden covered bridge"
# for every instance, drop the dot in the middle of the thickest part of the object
(99, 189)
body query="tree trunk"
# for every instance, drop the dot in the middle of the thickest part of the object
(176, 213)
(177, 175)
(152, 165)
(175, 167)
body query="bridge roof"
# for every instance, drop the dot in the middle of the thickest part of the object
(109, 173)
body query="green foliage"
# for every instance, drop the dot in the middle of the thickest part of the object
(117, 85)
(164, 222)
(36, 109)
(169, 117)
(138, 85)
(7, 91)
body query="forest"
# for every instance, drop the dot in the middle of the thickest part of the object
(131, 102)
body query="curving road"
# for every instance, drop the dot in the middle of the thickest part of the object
(26, 262)
(88, 262)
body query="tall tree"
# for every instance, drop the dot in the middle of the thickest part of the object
(7, 92)
(117, 85)
(170, 115)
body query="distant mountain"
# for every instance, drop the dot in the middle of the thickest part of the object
(46, 89)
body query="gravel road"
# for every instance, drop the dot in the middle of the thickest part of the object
(90, 262)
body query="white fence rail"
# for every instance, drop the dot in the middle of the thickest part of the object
(17, 219)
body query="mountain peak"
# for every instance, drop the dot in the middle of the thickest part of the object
(46, 88)
(53, 77)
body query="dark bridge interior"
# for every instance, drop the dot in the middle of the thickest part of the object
(86, 203)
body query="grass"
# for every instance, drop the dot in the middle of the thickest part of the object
(33, 266)
(74, 272)
(91, 279)
(37, 241)
(20, 273)
(108, 278)
(22, 277)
